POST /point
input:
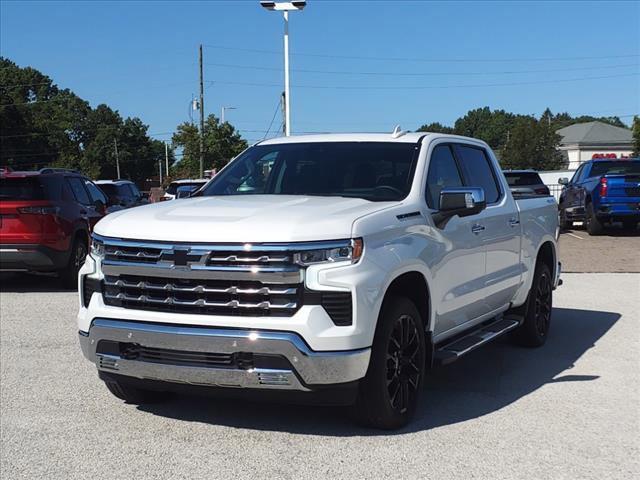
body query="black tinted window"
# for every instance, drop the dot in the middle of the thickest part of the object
(95, 192)
(443, 172)
(376, 171)
(519, 179)
(78, 190)
(31, 188)
(478, 171)
(621, 167)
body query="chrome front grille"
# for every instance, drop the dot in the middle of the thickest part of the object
(211, 279)
(202, 296)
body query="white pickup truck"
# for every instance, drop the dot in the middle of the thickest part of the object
(340, 267)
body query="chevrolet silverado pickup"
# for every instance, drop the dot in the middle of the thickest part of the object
(600, 192)
(342, 266)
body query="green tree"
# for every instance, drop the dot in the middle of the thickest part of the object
(221, 143)
(636, 136)
(532, 144)
(42, 125)
(435, 127)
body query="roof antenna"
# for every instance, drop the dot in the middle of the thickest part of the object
(397, 132)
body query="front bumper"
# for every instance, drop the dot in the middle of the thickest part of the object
(31, 258)
(181, 353)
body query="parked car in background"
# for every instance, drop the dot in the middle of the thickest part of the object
(172, 189)
(122, 193)
(600, 192)
(185, 191)
(339, 267)
(45, 220)
(525, 182)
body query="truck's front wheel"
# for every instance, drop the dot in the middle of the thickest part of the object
(131, 394)
(389, 393)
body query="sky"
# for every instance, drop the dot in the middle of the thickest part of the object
(356, 65)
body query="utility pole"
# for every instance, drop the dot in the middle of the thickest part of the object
(115, 144)
(201, 117)
(166, 157)
(284, 117)
(160, 168)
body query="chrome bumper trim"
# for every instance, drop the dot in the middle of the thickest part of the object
(309, 367)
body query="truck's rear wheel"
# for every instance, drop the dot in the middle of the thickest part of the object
(592, 223)
(389, 393)
(135, 395)
(537, 316)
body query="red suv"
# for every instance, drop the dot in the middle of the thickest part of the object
(45, 221)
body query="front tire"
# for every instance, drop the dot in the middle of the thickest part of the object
(69, 274)
(389, 393)
(537, 316)
(134, 395)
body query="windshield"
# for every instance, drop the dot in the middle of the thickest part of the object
(375, 171)
(518, 179)
(622, 167)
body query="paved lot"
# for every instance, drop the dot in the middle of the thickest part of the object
(569, 410)
(615, 251)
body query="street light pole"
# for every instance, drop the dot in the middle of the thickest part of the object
(287, 93)
(285, 8)
(223, 110)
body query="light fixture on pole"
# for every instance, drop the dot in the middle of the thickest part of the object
(223, 110)
(285, 8)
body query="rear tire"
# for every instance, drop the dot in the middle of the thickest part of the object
(69, 274)
(389, 392)
(134, 395)
(629, 225)
(592, 224)
(537, 313)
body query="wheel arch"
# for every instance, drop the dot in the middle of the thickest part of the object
(413, 285)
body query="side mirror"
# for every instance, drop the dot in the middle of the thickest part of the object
(462, 202)
(99, 206)
(563, 181)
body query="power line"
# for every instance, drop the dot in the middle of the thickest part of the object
(416, 74)
(272, 119)
(435, 60)
(27, 85)
(428, 87)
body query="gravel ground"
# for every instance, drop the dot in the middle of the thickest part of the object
(615, 251)
(568, 410)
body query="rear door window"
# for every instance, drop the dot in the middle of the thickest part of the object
(478, 171)
(95, 193)
(79, 192)
(443, 172)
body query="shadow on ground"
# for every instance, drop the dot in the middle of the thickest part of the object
(478, 384)
(25, 283)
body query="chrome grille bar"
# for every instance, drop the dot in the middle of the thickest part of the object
(200, 302)
(170, 287)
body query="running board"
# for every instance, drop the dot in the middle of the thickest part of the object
(450, 352)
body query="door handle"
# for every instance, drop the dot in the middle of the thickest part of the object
(513, 222)
(477, 228)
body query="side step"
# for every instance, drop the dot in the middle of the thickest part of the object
(452, 351)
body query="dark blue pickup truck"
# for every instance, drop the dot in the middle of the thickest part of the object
(602, 191)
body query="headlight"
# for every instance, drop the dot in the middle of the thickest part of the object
(97, 249)
(350, 252)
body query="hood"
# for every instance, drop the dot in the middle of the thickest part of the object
(240, 218)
